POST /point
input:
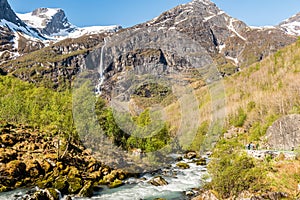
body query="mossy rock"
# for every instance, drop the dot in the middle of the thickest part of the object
(16, 168)
(60, 165)
(73, 172)
(40, 195)
(3, 188)
(34, 169)
(110, 177)
(47, 167)
(102, 182)
(75, 185)
(183, 165)
(87, 190)
(47, 182)
(116, 183)
(201, 161)
(19, 184)
(61, 184)
(52, 193)
(96, 176)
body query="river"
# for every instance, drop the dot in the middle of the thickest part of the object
(180, 181)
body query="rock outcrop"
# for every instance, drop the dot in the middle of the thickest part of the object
(6, 13)
(284, 134)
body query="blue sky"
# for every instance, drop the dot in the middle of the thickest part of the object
(131, 12)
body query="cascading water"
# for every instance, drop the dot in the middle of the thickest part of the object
(180, 181)
(101, 70)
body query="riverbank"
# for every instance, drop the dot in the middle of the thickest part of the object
(50, 167)
(30, 157)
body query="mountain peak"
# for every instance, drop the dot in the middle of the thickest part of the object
(47, 20)
(205, 2)
(291, 25)
(46, 11)
(7, 14)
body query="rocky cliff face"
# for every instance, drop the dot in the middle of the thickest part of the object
(6, 13)
(195, 35)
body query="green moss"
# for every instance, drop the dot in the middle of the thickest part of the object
(201, 161)
(61, 184)
(183, 165)
(116, 183)
(3, 188)
(87, 190)
(54, 194)
(75, 184)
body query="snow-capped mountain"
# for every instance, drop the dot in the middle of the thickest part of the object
(47, 20)
(16, 37)
(291, 25)
(53, 23)
(8, 19)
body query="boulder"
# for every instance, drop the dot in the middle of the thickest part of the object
(201, 161)
(52, 193)
(87, 190)
(183, 165)
(61, 184)
(34, 169)
(16, 169)
(116, 183)
(284, 134)
(190, 155)
(75, 185)
(158, 181)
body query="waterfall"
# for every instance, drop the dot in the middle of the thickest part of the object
(101, 70)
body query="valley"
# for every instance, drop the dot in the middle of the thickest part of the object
(105, 111)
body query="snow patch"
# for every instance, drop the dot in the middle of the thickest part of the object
(235, 60)
(231, 27)
(77, 32)
(292, 28)
(221, 47)
(15, 28)
(40, 20)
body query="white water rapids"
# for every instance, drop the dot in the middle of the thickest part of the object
(180, 181)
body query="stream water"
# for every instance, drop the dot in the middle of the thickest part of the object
(101, 70)
(180, 181)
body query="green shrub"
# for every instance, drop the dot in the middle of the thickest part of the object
(232, 171)
(239, 119)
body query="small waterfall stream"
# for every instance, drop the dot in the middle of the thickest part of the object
(101, 70)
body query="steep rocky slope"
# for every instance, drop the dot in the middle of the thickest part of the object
(190, 36)
(16, 37)
(195, 35)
